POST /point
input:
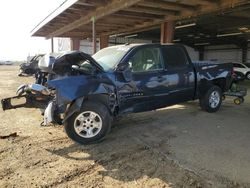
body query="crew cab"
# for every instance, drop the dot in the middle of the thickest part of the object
(117, 80)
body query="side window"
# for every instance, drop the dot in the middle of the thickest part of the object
(146, 59)
(241, 66)
(238, 65)
(174, 57)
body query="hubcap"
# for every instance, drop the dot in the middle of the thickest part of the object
(88, 124)
(214, 99)
(248, 76)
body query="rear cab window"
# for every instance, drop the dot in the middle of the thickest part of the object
(174, 57)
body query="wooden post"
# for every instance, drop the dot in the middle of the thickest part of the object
(201, 54)
(75, 44)
(104, 41)
(167, 32)
(52, 45)
(93, 35)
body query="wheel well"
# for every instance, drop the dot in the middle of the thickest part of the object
(108, 100)
(206, 84)
(220, 82)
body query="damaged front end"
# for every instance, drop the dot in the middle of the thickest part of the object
(29, 96)
(71, 93)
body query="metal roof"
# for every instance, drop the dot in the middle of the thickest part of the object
(73, 18)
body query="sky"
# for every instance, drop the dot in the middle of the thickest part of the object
(17, 19)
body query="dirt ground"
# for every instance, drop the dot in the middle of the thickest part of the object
(179, 146)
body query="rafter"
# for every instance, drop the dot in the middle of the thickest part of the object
(113, 6)
(154, 11)
(224, 4)
(167, 5)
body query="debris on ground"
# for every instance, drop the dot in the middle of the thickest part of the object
(8, 136)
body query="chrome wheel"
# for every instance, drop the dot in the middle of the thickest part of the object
(88, 124)
(214, 99)
(248, 76)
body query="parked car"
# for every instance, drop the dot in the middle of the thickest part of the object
(91, 91)
(243, 68)
(31, 67)
(239, 76)
(6, 63)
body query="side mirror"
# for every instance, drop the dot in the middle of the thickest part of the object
(124, 69)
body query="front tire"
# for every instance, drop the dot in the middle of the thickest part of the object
(212, 99)
(90, 124)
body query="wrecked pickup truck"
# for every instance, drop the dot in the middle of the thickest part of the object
(86, 93)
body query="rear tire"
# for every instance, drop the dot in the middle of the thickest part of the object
(248, 76)
(90, 124)
(211, 101)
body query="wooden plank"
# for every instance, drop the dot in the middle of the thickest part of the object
(137, 16)
(155, 11)
(167, 5)
(64, 6)
(113, 6)
(224, 4)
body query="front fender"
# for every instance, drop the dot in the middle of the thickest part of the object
(72, 87)
(74, 107)
(74, 90)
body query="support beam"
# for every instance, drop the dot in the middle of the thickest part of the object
(98, 13)
(167, 32)
(104, 41)
(244, 52)
(75, 44)
(201, 54)
(153, 11)
(214, 8)
(52, 45)
(93, 35)
(167, 5)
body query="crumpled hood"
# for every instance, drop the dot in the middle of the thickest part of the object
(72, 87)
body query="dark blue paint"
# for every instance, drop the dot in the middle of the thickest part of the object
(146, 90)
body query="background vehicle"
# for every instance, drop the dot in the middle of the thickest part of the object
(30, 67)
(91, 91)
(243, 68)
(239, 76)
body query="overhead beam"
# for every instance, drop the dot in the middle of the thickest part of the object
(167, 5)
(112, 7)
(151, 10)
(224, 4)
(53, 15)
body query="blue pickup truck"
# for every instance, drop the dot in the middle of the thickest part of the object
(88, 92)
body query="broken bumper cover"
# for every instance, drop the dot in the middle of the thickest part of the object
(30, 96)
(52, 114)
(7, 103)
(24, 101)
(49, 114)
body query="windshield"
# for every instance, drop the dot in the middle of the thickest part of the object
(108, 58)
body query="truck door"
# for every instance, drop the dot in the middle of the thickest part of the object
(149, 80)
(181, 75)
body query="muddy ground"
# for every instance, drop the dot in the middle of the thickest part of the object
(179, 146)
